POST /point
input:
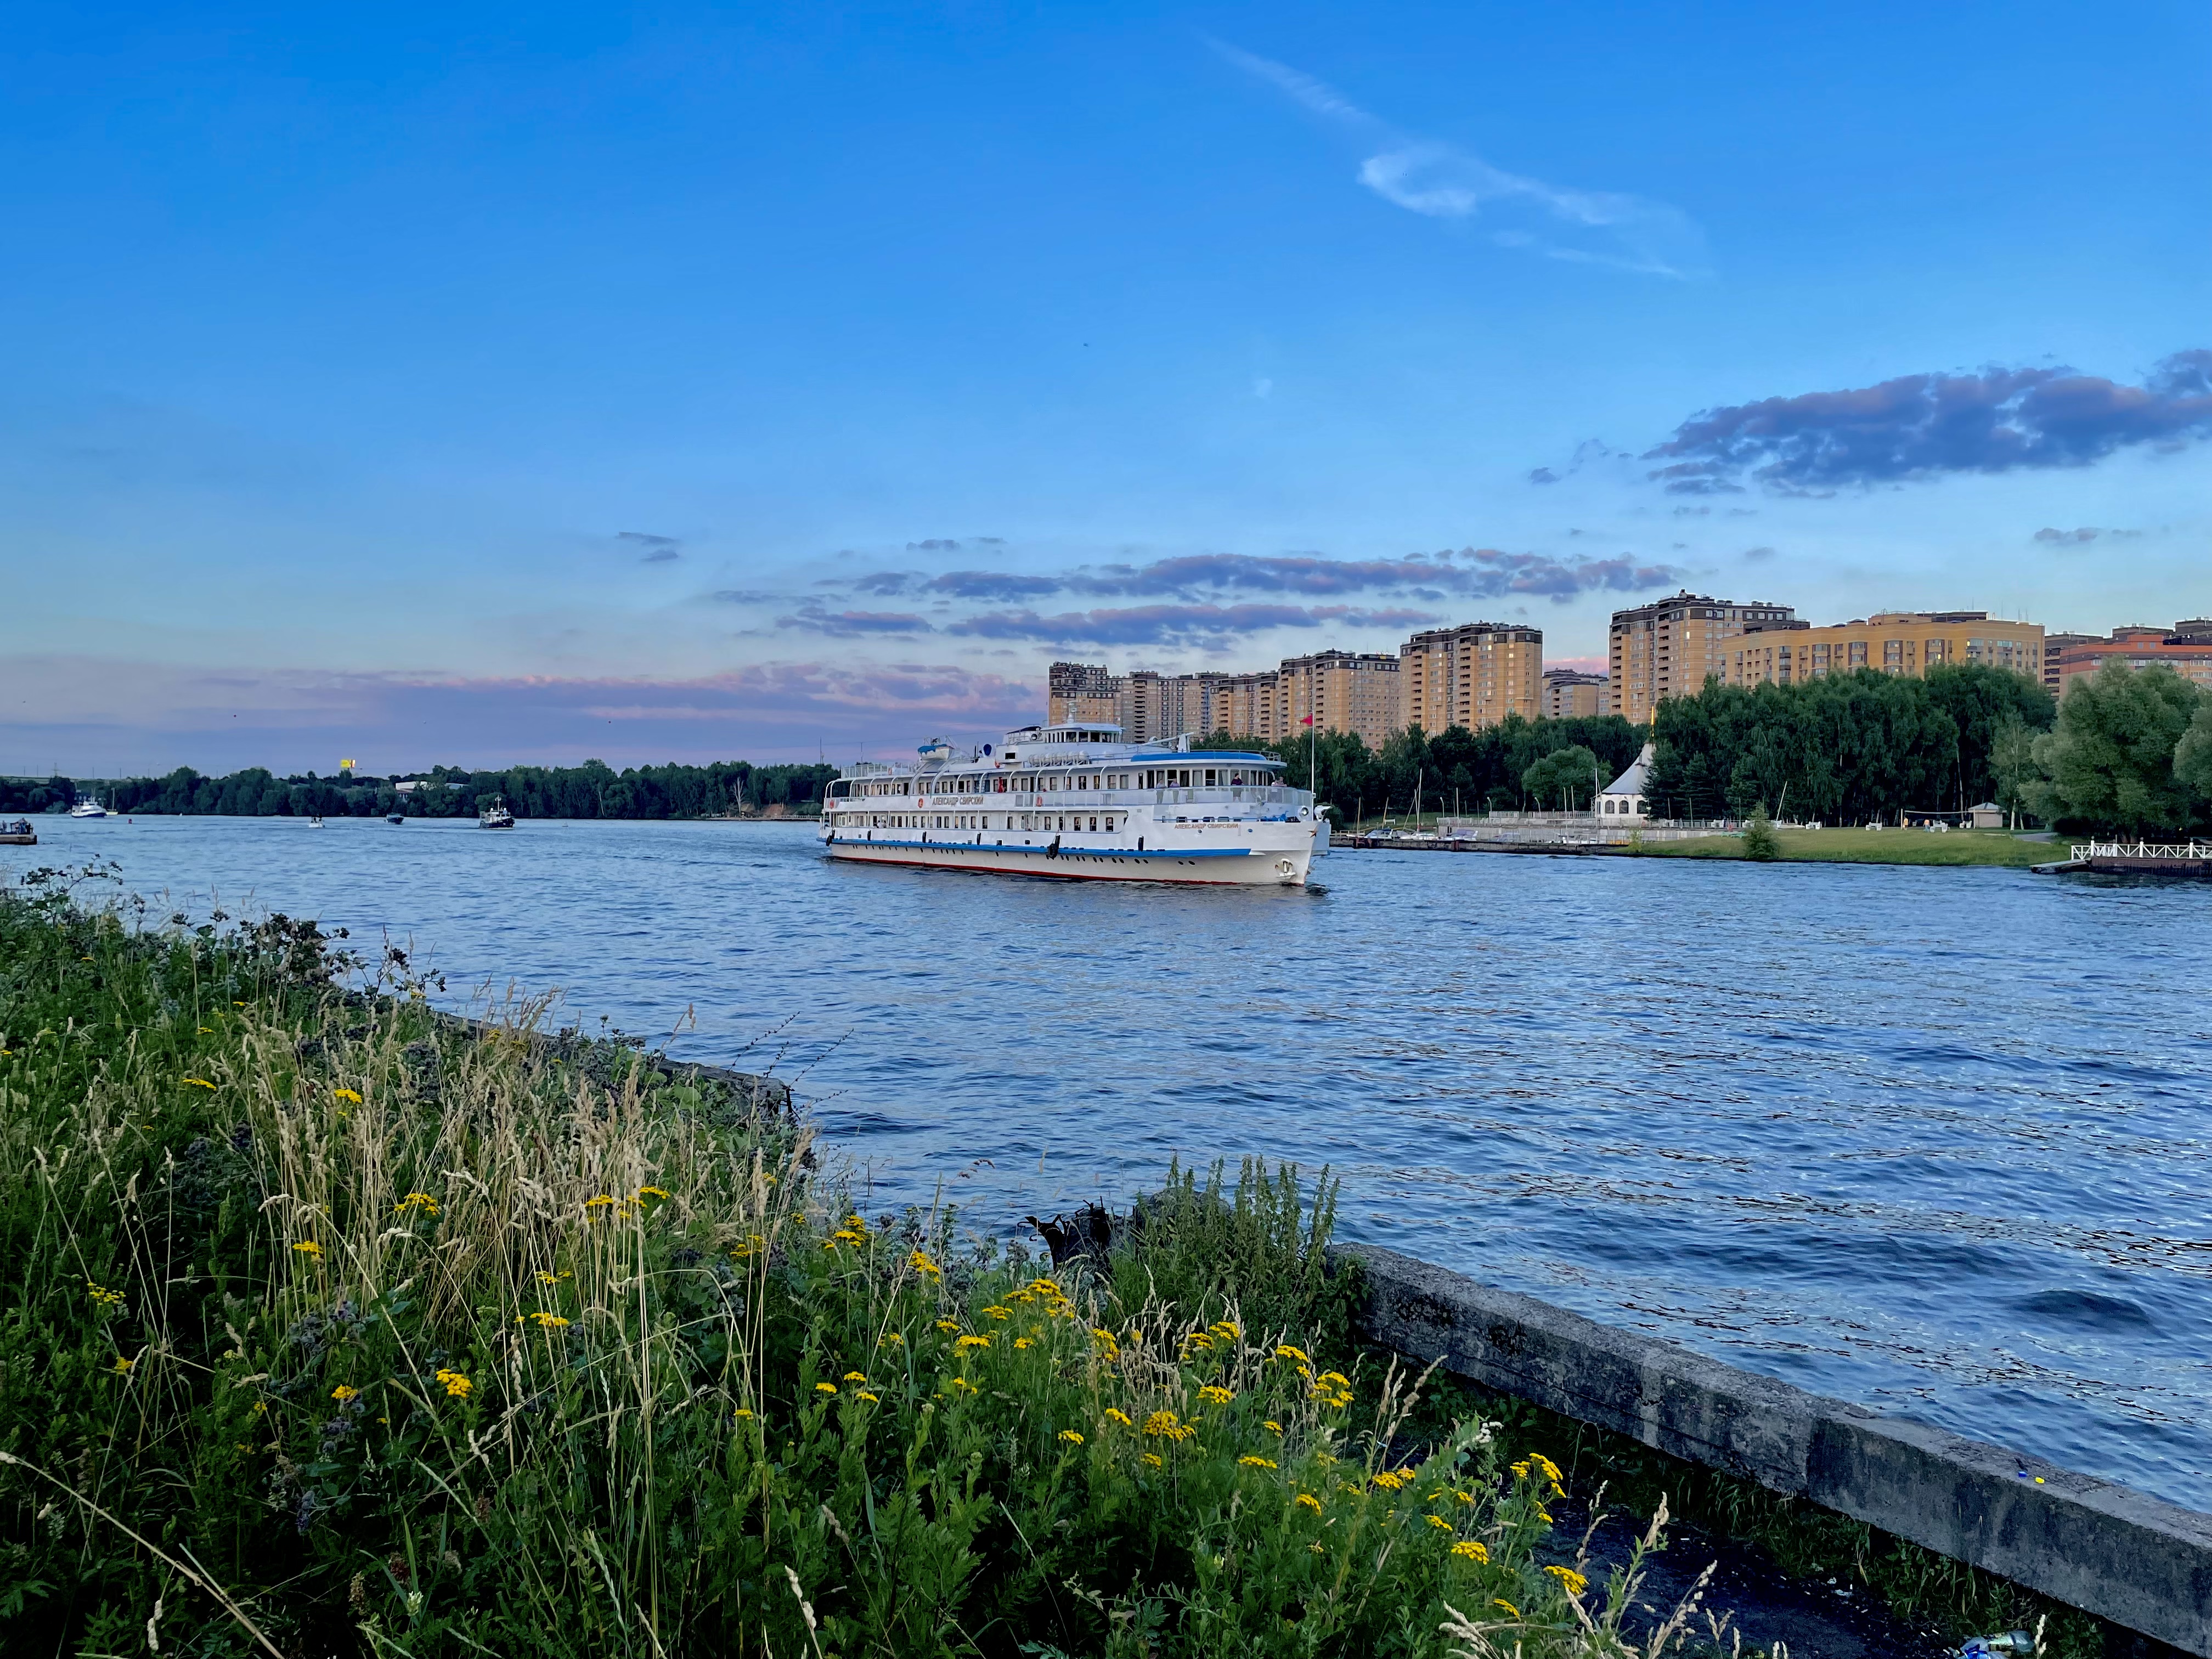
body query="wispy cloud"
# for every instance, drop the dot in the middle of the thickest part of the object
(816, 618)
(1187, 625)
(1466, 573)
(655, 549)
(1923, 426)
(1443, 181)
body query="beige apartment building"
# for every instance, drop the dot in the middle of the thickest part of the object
(1570, 693)
(1908, 642)
(1668, 649)
(1471, 676)
(1082, 691)
(1343, 690)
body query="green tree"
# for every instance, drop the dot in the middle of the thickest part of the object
(2109, 763)
(1759, 840)
(1566, 777)
(2192, 756)
(2012, 764)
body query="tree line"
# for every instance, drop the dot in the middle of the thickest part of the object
(593, 790)
(1502, 767)
(1848, 748)
(2129, 751)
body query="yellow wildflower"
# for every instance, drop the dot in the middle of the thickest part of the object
(1574, 1582)
(1070, 1436)
(1521, 1468)
(1224, 1329)
(603, 1201)
(973, 1342)
(1153, 1460)
(998, 1313)
(1306, 1500)
(308, 1247)
(1022, 1342)
(1388, 1481)
(744, 1412)
(855, 1377)
(200, 1081)
(890, 1339)
(548, 1322)
(948, 1326)
(1273, 1426)
(1286, 1352)
(1439, 1520)
(1116, 1414)
(1498, 1601)
(422, 1201)
(348, 1094)
(342, 1392)
(825, 1388)
(1213, 1395)
(862, 1393)
(122, 1366)
(1473, 1548)
(921, 1264)
(652, 1192)
(1550, 1470)
(457, 1385)
(1249, 1461)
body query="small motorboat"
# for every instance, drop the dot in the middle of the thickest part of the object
(18, 833)
(395, 817)
(316, 822)
(495, 816)
(87, 806)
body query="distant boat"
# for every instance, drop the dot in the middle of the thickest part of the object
(87, 807)
(395, 817)
(495, 816)
(18, 833)
(316, 822)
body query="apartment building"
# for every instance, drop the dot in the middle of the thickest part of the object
(1570, 693)
(1908, 642)
(2055, 647)
(2186, 649)
(1668, 649)
(1471, 676)
(1081, 691)
(1354, 691)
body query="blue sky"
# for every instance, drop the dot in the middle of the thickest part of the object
(473, 384)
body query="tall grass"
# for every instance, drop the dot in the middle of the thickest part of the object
(331, 1326)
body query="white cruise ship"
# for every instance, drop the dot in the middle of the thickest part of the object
(1074, 801)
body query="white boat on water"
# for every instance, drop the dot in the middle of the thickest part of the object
(1076, 802)
(87, 806)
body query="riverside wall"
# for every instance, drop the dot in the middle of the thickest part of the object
(2136, 1561)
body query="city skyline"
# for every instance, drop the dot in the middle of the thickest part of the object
(517, 385)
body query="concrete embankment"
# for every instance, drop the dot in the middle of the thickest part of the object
(2138, 1562)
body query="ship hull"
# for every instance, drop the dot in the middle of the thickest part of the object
(1198, 866)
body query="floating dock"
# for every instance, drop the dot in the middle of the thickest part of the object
(2134, 857)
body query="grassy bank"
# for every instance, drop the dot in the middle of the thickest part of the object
(1995, 847)
(329, 1327)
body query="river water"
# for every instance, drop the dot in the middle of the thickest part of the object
(1934, 1140)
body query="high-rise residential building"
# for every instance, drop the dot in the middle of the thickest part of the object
(1908, 642)
(1570, 693)
(2186, 649)
(1668, 649)
(1250, 705)
(1081, 691)
(1344, 691)
(1471, 676)
(2055, 646)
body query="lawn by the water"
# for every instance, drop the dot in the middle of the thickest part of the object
(1985, 846)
